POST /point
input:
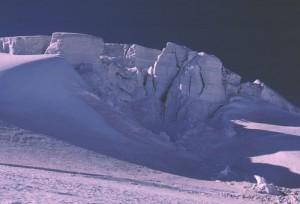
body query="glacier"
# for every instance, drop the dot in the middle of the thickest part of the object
(174, 110)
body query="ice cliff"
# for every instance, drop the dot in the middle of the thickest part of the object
(170, 90)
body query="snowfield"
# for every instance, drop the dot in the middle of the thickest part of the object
(84, 121)
(39, 169)
(34, 186)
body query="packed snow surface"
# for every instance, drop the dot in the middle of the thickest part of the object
(174, 110)
(36, 168)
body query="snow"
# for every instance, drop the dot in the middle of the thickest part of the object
(263, 187)
(44, 94)
(40, 92)
(76, 48)
(116, 110)
(261, 91)
(21, 45)
(140, 56)
(266, 139)
(36, 168)
(36, 186)
(289, 130)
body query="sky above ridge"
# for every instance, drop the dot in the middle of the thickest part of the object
(255, 38)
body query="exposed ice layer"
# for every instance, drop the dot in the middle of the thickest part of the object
(115, 50)
(174, 87)
(274, 98)
(119, 77)
(170, 90)
(188, 85)
(76, 48)
(24, 45)
(141, 57)
(249, 89)
(129, 55)
(190, 74)
(232, 82)
(259, 91)
(115, 85)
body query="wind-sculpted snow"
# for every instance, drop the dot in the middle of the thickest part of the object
(171, 109)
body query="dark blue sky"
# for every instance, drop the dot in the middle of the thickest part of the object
(256, 38)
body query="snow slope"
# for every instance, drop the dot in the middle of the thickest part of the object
(44, 94)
